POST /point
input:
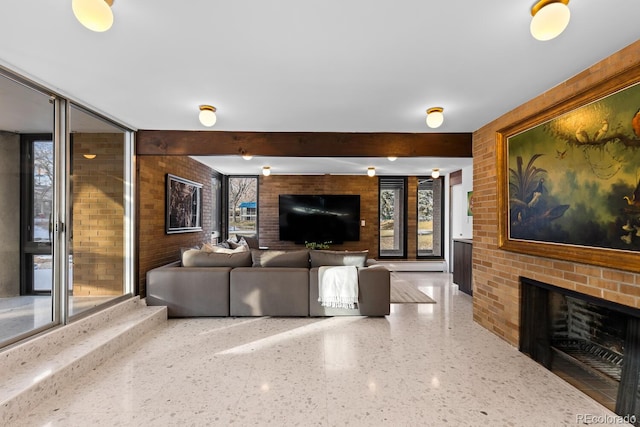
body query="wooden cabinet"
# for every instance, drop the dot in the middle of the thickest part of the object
(462, 255)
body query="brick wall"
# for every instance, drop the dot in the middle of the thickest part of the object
(98, 214)
(496, 272)
(155, 248)
(272, 186)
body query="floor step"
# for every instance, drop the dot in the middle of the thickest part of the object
(34, 370)
(440, 266)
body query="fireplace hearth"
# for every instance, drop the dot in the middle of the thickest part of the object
(591, 343)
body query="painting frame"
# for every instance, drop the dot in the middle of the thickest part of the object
(183, 205)
(601, 256)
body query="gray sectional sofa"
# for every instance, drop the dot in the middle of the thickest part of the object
(261, 283)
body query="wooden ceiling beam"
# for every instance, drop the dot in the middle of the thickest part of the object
(302, 144)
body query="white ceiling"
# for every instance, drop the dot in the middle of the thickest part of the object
(235, 165)
(312, 66)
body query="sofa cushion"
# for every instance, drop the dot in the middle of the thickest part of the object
(272, 258)
(198, 258)
(252, 241)
(321, 258)
(207, 247)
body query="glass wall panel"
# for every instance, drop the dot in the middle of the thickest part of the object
(66, 203)
(430, 211)
(96, 223)
(392, 217)
(26, 200)
(242, 196)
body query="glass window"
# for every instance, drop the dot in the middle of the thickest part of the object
(67, 208)
(26, 203)
(97, 224)
(242, 198)
(429, 216)
(392, 217)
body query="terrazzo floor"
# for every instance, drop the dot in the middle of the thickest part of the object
(423, 365)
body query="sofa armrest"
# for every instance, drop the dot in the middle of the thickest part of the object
(189, 291)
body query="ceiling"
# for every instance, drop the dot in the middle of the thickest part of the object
(312, 66)
(236, 165)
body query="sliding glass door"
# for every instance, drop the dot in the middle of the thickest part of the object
(97, 220)
(26, 205)
(66, 203)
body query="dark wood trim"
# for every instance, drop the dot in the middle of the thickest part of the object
(302, 144)
(455, 178)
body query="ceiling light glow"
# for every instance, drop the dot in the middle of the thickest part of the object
(435, 117)
(95, 15)
(549, 19)
(207, 115)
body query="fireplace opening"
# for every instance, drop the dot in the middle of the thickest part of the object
(591, 343)
(587, 344)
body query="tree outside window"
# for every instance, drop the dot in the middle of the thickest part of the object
(243, 206)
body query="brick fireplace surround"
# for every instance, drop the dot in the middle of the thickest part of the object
(496, 272)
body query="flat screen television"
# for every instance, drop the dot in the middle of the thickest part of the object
(319, 218)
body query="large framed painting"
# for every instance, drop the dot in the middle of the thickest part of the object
(183, 205)
(569, 178)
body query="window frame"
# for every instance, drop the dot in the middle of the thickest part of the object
(224, 223)
(404, 217)
(442, 218)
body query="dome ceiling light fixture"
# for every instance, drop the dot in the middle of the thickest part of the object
(95, 15)
(392, 158)
(435, 117)
(549, 19)
(207, 115)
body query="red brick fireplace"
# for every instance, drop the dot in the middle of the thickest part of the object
(496, 272)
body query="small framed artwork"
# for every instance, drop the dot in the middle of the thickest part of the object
(569, 179)
(469, 203)
(183, 205)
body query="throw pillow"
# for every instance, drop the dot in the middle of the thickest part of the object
(208, 247)
(230, 251)
(235, 243)
(321, 258)
(198, 258)
(271, 258)
(252, 241)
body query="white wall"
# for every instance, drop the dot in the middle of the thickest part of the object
(461, 223)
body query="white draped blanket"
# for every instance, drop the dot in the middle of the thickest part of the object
(338, 286)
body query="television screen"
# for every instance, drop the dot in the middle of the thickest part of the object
(319, 218)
